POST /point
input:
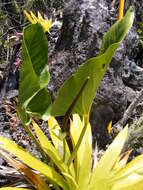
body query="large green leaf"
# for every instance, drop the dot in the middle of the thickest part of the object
(118, 31)
(93, 68)
(40, 104)
(34, 74)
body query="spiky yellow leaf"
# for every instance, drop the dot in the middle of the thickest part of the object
(51, 151)
(103, 170)
(33, 162)
(136, 165)
(82, 161)
(57, 137)
(132, 181)
(34, 179)
(122, 161)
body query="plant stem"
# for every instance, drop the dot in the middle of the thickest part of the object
(29, 131)
(68, 113)
(70, 109)
(64, 149)
(74, 153)
(121, 9)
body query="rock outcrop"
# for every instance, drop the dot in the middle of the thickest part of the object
(84, 24)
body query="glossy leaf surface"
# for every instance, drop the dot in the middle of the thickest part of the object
(93, 68)
(34, 74)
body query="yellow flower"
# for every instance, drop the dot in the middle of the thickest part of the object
(46, 24)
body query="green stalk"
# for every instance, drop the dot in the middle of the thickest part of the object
(71, 107)
(64, 149)
(74, 153)
(30, 133)
(69, 112)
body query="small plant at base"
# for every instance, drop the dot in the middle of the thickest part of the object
(83, 172)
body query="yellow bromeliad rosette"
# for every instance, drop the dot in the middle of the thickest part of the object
(84, 172)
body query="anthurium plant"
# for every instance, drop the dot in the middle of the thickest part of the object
(64, 164)
(34, 75)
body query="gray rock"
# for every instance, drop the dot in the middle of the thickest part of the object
(101, 115)
(132, 74)
(84, 24)
(1, 161)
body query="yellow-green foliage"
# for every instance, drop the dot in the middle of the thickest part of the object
(111, 172)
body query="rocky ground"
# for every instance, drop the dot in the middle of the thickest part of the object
(76, 36)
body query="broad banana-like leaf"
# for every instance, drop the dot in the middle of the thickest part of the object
(51, 151)
(84, 153)
(93, 68)
(40, 104)
(34, 74)
(107, 162)
(33, 162)
(118, 31)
